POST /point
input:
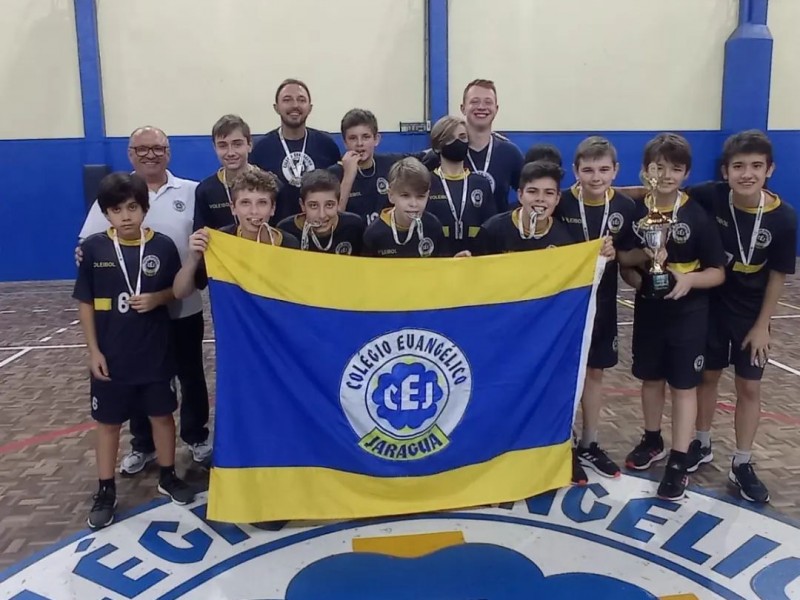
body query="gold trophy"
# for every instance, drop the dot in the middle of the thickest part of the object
(655, 230)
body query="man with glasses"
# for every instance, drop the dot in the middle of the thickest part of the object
(171, 213)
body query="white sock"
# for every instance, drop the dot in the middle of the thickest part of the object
(741, 456)
(704, 437)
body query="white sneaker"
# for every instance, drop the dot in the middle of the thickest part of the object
(201, 451)
(135, 462)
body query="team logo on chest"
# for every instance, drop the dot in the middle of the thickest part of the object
(405, 392)
(425, 247)
(150, 265)
(179, 205)
(382, 185)
(615, 222)
(294, 166)
(476, 197)
(681, 233)
(763, 239)
(343, 248)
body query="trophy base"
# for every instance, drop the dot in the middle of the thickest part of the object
(657, 285)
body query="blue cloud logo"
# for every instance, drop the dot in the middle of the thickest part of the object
(466, 571)
(408, 395)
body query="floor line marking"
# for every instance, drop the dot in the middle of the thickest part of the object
(75, 322)
(7, 312)
(62, 330)
(40, 310)
(14, 357)
(786, 368)
(46, 338)
(786, 317)
(42, 438)
(787, 305)
(58, 347)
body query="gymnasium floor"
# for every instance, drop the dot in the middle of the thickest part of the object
(47, 471)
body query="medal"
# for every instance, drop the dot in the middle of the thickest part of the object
(308, 232)
(457, 217)
(123, 266)
(269, 232)
(531, 226)
(415, 224)
(295, 166)
(756, 228)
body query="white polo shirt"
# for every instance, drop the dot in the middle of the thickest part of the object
(171, 213)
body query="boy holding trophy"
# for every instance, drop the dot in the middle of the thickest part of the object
(681, 257)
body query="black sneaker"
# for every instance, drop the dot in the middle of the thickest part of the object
(750, 486)
(579, 476)
(644, 454)
(673, 484)
(103, 505)
(596, 459)
(697, 455)
(176, 488)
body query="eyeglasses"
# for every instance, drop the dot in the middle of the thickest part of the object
(142, 151)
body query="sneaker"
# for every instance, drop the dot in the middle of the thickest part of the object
(135, 462)
(644, 455)
(201, 451)
(673, 484)
(596, 459)
(579, 476)
(103, 504)
(176, 488)
(697, 455)
(750, 486)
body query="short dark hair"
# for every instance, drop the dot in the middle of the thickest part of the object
(487, 84)
(227, 125)
(539, 169)
(410, 174)
(318, 180)
(255, 180)
(117, 188)
(593, 148)
(546, 152)
(359, 116)
(291, 81)
(670, 147)
(751, 141)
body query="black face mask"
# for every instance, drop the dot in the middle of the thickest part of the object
(455, 150)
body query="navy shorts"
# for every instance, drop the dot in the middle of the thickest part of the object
(726, 332)
(114, 403)
(603, 349)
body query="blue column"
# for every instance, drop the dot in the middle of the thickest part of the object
(438, 80)
(748, 67)
(94, 125)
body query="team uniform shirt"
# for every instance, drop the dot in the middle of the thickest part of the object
(370, 192)
(381, 240)
(345, 237)
(172, 214)
(137, 346)
(616, 221)
(212, 205)
(501, 234)
(669, 336)
(737, 303)
(500, 162)
(473, 205)
(316, 150)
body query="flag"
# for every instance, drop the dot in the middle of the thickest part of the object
(355, 387)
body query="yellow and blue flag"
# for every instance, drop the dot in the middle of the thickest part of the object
(355, 387)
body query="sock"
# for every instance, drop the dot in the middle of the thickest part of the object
(678, 459)
(166, 472)
(704, 437)
(588, 437)
(741, 456)
(108, 483)
(653, 437)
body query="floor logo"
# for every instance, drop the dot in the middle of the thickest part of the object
(605, 541)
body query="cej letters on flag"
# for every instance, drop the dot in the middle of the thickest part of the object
(355, 387)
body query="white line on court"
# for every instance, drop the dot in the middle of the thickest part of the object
(787, 305)
(57, 347)
(40, 310)
(7, 312)
(46, 338)
(14, 357)
(75, 322)
(786, 317)
(62, 330)
(786, 368)
(70, 310)
(627, 323)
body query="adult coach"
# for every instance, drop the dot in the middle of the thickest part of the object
(490, 154)
(293, 149)
(171, 213)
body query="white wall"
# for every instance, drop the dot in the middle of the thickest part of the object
(784, 106)
(575, 65)
(181, 64)
(40, 92)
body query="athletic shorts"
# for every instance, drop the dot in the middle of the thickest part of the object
(603, 349)
(114, 403)
(726, 331)
(669, 345)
